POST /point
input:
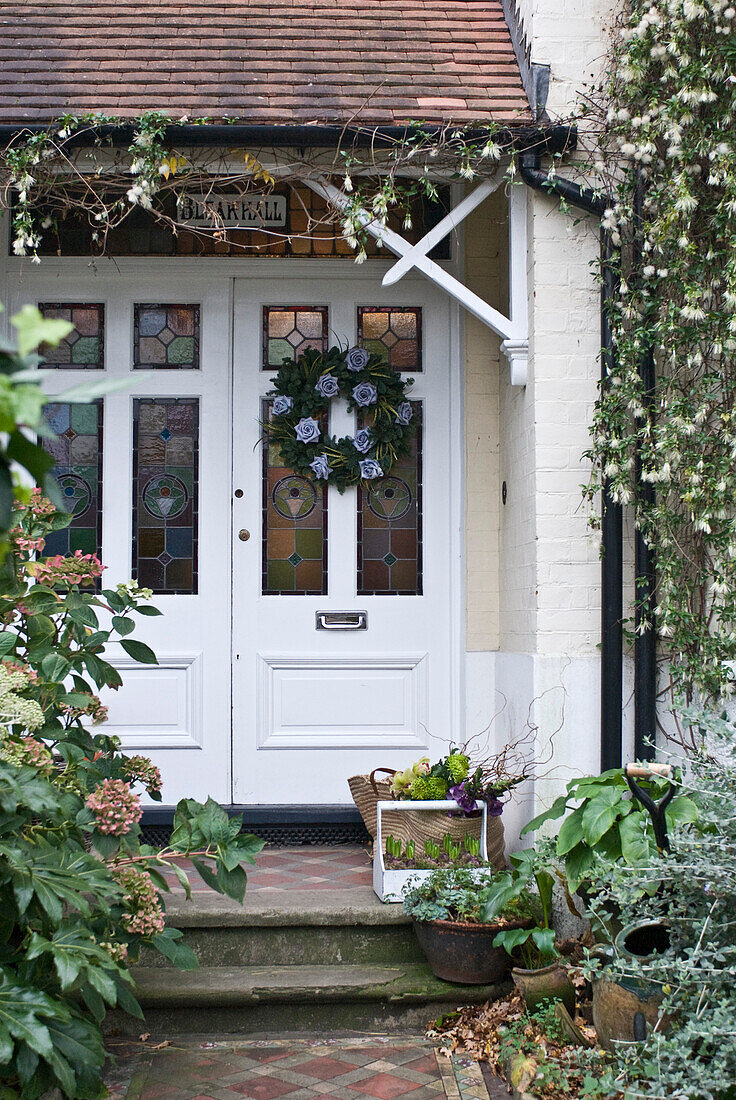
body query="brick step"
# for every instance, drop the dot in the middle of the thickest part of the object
(243, 999)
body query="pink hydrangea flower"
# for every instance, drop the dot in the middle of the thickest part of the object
(78, 568)
(115, 806)
(140, 768)
(142, 914)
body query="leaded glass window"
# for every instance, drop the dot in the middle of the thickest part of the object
(82, 349)
(290, 330)
(390, 526)
(294, 538)
(165, 337)
(77, 450)
(394, 333)
(165, 493)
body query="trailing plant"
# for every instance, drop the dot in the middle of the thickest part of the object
(456, 895)
(603, 825)
(691, 1052)
(668, 156)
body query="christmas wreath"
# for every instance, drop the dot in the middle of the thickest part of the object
(300, 400)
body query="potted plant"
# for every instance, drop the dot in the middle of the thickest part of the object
(542, 977)
(447, 910)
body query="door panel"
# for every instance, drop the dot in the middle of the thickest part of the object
(312, 706)
(178, 712)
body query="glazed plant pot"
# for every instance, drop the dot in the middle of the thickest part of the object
(464, 953)
(549, 983)
(624, 1010)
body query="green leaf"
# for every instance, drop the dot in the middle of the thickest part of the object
(544, 938)
(557, 809)
(139, 651)
(511, 938)
(147, 609)
(25, 1012)
(123, 625)
(681, 811)
(206, 874)
(36, 460)
(600, 813)
(178, 953)
(33, 329)
(578, 865)
(635, 844)
(54, 667)
(571, 832)
(8, 642)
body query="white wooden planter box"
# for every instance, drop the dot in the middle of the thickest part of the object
(392, 885)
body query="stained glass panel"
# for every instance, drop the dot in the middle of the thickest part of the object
(290, 330)
(78, 471)
(394, 333)
(166, 337)
(390, 526)
(166, 493)
(83, 349)
(294, 538)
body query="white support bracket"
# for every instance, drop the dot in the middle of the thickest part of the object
(513, 330)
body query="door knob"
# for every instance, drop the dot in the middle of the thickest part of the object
(243, 535)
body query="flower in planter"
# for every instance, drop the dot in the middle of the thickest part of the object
(463, 797)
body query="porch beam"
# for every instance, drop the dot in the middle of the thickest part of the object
(514, 337)
(458, 214)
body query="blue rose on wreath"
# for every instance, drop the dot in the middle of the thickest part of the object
(299, 405)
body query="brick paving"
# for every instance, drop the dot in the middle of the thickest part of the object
(356, 1068)
(337, 867)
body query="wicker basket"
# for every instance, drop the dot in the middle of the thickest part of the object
(367, 791)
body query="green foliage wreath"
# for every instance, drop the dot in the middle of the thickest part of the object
(300, 400)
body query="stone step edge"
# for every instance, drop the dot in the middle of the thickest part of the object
(216, 986)
(284, 908)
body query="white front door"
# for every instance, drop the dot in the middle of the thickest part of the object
(345, 653)
(166, 474)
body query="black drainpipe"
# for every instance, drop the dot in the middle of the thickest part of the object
(645, 639)
(612, 518)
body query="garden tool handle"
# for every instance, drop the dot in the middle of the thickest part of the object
(372, 781)
(643, 771)
(656, 809)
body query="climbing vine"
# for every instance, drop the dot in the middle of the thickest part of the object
(76, 166)
(667, 139)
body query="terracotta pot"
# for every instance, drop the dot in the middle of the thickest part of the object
(624, 1010)
(464, 953)
(550, 983)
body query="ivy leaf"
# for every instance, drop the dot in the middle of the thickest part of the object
(33, 329)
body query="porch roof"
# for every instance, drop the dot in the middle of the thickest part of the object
(367, 62)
